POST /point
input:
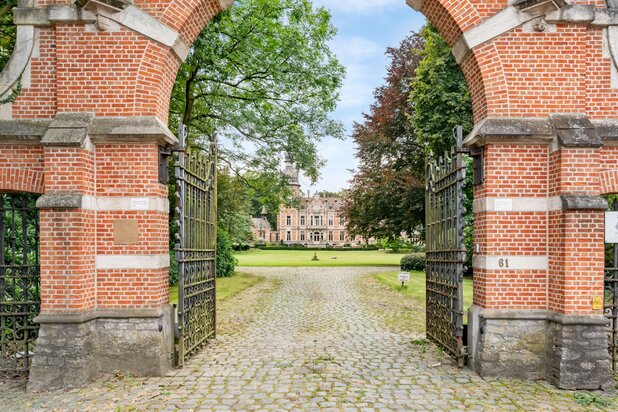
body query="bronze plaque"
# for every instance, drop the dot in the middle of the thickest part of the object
(126, 232)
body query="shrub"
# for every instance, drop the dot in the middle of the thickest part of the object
(414, 261)
(226, 262)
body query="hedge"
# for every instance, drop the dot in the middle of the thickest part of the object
(413, 261)
(317, 249)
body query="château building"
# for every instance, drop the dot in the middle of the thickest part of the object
(262, 232)
(317, 221)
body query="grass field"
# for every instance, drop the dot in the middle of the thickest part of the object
(416, 287)
(226, 287)
(291, 258)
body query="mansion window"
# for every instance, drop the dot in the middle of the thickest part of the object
(341, 236)
(330, 236)
(288, 236)
(288, 220)
(302, 234)
(331, 220)
(302, 220)
(341, 221)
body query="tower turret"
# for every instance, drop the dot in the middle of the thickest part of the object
(292, 173)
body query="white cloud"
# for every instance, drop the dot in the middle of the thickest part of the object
(355, 48)
(358, 6)
(364, 62)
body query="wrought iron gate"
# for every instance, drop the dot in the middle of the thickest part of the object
(445, 249)
(196, 177)
(19, 282)
(611, 299)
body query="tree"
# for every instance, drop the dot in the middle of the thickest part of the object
(7, 31)
(424, 97)
(440, 95)
(262, 77)
(233, 208)
(441, 100)
(269, 190)
(386, 196)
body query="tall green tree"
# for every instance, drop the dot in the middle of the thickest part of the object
(233, 207)
(269, 190)
(386, 194)
(439, 94)
(7, 30)
(442, 100)
(424, 97)
(262, 77)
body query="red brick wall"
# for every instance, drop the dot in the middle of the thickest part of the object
(572, 240)
(119, 73)
(21, 168)
(530, 74)
(67, 261)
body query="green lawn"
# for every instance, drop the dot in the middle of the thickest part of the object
(294, 258)
(416, 287)
(226, 287)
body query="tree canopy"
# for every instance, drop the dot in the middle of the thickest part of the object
(424, 97)
(386, 194)
(7, 31)
(439, 94)
(262, 77)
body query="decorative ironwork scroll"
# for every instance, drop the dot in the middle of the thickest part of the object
(20, 298)
(445, 249)
(195, 251)
(611, 301)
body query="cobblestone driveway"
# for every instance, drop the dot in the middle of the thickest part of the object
(308, 339)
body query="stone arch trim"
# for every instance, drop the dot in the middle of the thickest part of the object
(14, 179)
(189, 17)
(609, 182)
(159, 66)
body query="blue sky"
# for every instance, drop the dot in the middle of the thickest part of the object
(365, 29)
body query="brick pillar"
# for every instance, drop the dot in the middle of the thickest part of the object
(104, 252)
(538, 253)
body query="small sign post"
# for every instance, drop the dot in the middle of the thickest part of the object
(404, 277)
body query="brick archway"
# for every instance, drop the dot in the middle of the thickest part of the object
(88, 125)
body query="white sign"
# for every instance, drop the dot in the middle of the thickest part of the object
(503, 205)
(139, 204)
(404, 276)
(611, 227)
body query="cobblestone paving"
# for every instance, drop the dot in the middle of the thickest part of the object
(309, 339)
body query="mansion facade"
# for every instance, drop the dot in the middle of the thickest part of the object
(317, 222)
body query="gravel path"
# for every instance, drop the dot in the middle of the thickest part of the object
(309, 339)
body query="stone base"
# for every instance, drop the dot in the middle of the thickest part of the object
(568, 351)
(577, 353)
(72, 350)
